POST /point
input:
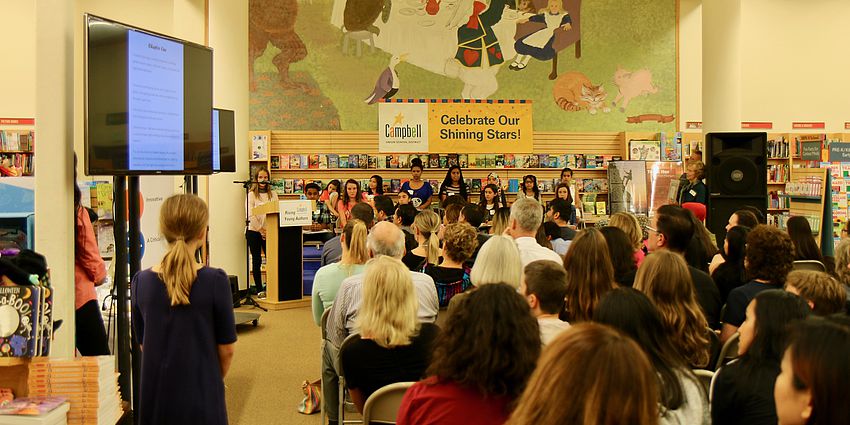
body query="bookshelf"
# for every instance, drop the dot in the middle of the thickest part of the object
(17, 151)
(806, 192)
(780, 153)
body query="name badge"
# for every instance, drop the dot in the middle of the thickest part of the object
(693, 192)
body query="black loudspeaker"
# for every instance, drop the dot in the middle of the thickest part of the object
(736, 174)
(234, 290)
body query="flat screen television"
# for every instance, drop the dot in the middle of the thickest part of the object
(148, 102)
(224, 141)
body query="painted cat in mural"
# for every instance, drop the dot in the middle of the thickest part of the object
(273, 21)
(631, 84)
(574, 91)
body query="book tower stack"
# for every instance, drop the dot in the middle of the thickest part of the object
(89, 383)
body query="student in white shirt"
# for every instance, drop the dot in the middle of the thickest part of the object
(526, 217)
(544, 286)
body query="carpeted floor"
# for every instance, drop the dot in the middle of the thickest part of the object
(271, 362)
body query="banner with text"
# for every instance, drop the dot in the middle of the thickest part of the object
(456, 126)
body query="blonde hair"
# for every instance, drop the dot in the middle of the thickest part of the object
(827, 295)
(842, 260)
(664, 277)
(628, 223)
(355, 242)
(182, 219)
(501, 220)
(428, 224)
(255, 187)
(498, 261)
(388, 313)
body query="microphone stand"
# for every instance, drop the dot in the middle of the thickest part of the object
(248, 299)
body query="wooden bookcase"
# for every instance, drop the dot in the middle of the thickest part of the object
(809, 201)
(17, 145)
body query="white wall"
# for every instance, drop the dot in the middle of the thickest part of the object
(690, 61)
(17, 80)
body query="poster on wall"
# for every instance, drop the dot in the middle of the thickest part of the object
(587, 66)
(627, 187)
(644, 150)
(403, 127)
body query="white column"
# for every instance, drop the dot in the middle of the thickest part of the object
(721, 65)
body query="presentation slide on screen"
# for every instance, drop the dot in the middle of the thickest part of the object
(216, 156)
(155, 102)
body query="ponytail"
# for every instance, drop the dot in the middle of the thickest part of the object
(428, 224)
(432, 245)
(355, 241)
(183, 218)
(177, 270)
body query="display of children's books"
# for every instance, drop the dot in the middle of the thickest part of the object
(259, 147)
(20, 311)
(671, 146)
(31, 406)
(644, 150)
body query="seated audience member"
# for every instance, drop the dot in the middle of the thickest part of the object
(322, 217)
(701, 248)
(384, 239)
(727, 268)
(628, 223)
(683, 399)
(559, 213)
(805, 247)
(472, 215)
(498, 262)
(553, 233)
(812, 387)
(452, 213)
(671, 229)
(544, 286)
(403, 198)
(665, 279)
(452, 275)
(384, 208)
(542, 240)
(481, 362)
(757, 213)
(591, 374)
(770, 257)
(490, 201)
(526, 216)
(589, 275)
(332, 249)
(743, 389)
(425, 227)
(391, 346)
(453, 200)
(842, 267)
(742, 217)
(622, 253)
(500, 222)
(328, 278)
(823, 293)
(404, 216)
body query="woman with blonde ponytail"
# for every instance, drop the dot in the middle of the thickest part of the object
(329, 278)
(183, 318)
(425, 228)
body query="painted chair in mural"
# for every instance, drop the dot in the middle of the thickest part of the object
(563, 39)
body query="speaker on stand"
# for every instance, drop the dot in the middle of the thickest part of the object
(736, 165)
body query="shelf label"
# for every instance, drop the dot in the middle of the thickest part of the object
(764, 125)
(808, 125)
(839, 152)
(695, 125)
(811, 151)
(17, 121)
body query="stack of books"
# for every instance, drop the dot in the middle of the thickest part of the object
(90, 384)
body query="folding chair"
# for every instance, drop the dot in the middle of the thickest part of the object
(714, 347)
(705, 377)
(321, 370)
(382, 406)
(813, 265)
(342, 390)
(728, 352)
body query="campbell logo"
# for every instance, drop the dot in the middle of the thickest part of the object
(399, 130)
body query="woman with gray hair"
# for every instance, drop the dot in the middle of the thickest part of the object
(842, 267)
(498, 262)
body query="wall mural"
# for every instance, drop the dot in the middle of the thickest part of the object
(602, 65)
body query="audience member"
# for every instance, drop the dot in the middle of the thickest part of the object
(425, 228)
(544, 286)
(842, 267)
(553, 234)
(526, 216)
(682, 397)
(589, 275)
(490, 201)
(759, 215)
(695, 190)
(332, 249)
(453, 185)
(671, 228)
(628, 223)
(452, 213)
(665, 279)
(472, 215)
(322, 217)
(498, 262)
(805, 247)
(811, 389)
(183, 318)
(404, 216)
(391, 346)
(375, 187)
(701, 248)
(770, 257)
(330, 196)
(559, 213)
(452, 275)
(384, 208)
(590, 375)
(742, 217)
(481, 362)
(403, 198)
(351, 196)
(622, 253)
(328, 278)
(384, 239)
(823, 293)
(529, 188)
(743, 390)
(564, 191)
(727, 268)
(542, 239)
(501, 221)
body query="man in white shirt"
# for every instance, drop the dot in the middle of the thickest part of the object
(526, 217)
(384, 239)
(544, 286)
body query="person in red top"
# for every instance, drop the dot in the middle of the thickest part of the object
(481, 362)
(89, 271)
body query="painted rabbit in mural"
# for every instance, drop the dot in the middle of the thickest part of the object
(478, 54)
(573, 91)
(632, 84)
(273, 21)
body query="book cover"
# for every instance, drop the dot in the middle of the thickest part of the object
(343, 161)
(333, 161)
(671, 146)
(274, 164)
(433, 160)
(287, 186)
(435, 185)
(589, 203)
(453, 160)
(305, 162)
(46, 320)
(553, 161)
(490, 160)
(259, 147)
(323, 162)
(373, 162)
(644, 150)
(463, 160)
(513, 185)
(20, 314)
(600, 208)
(475, 186)
(353, 160)
(472, 159)
(294, 162)
(510, 160)
(363, 161)
(298, 186)
(31, 406)
(499, 160)
(284, 161)
(394, 161)
(543, 160)
(403, 160)
(580, 161)
(444, 161)
(395, 185)
(533, 161)
(547, 186)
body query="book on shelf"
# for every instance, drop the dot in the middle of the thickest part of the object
(778, 148)
(444, 161)
(453, 160)
(343, 161)
(401, 161)
(23, 317)
(333, 161)
(513, 185)
(373, 162)
(353, 160)
(463, 160)
(304, 161)
(475, 186)
(395, 185)
(31, 406)
(600, 208)
(671, 146)
(323, 162)
(363, 161)
(433, 160)
(313, 163)
(588, 203)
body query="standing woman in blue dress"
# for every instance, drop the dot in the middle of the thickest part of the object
(420, 190)
(183, 319)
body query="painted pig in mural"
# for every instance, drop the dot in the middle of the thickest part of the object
(632, 84)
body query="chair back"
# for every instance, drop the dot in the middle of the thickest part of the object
(728, 352)
(382, 406)
(714, 347)
(342, 384)
(705, 377)
(325, 324)
(812, 265)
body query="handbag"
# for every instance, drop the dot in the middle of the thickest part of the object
(312, 401)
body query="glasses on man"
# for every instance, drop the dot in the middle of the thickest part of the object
(651, 229)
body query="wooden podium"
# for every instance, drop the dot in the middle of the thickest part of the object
(284, 265)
